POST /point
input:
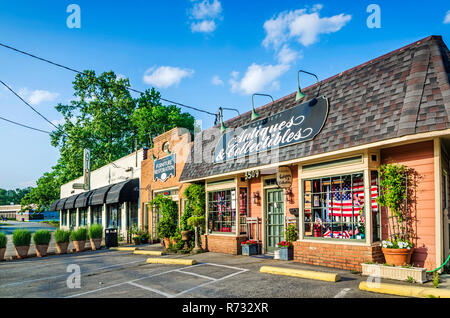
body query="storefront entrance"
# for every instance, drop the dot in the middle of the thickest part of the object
(446, 212)
(274, 218)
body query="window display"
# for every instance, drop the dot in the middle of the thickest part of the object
(222, 211)
(97, 214)
(82, 212)
(334, 207)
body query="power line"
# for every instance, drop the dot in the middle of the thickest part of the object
(83, 73)
(26, 126)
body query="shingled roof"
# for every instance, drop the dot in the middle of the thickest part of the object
(401, 93)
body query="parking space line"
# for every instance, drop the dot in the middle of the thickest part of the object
(195, 274)
(227, 266)
(151, 289)
(342, 293)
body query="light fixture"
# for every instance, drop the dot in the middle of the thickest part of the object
(300, 94)
(153, 157)
(255, 115)
(256, 197)
(222, 126)
(288, 193)
(168, 151)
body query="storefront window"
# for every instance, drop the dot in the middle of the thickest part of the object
(222, 211)
(73, 218)
(243, 210)
(376, 217)
(82, 216)
(64, 217)
(113, 216)
(133, 214)
(334, 207)
(96, 214)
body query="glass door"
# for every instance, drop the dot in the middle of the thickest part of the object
(274, 218)
(446, 212)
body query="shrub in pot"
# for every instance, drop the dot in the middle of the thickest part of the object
(167, 225)
(21, 239)
(3, 242)
(95, 236)
(41, 240)
(286, 248)
(249, 247)
(79, 237)
(62, 239)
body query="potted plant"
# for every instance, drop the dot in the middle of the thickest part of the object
(41, 239)
(21, 239)
(167, 225)
(79, 237)
(394, 179)
(249, 247)
(196, 222)
(3, 242)
(95, 236)
(286, 248)
(62, 239)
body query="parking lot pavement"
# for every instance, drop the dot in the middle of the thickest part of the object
(107, 273)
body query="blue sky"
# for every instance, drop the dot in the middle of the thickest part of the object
(201, 53)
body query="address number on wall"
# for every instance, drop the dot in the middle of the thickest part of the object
(251, 174)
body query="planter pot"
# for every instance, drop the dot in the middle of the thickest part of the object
(2, 253)
(166, 242)
(41, 250)
(137, 240)
(174, 241)
(96, 243)
(276, 254)
(397, 256)
(397, 273)
(61, 248)
(22, 251)
(286, 253)
(185, 235)
(79, 245)
(249, 250)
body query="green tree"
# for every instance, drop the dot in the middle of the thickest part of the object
(13, 196)
(46, 191)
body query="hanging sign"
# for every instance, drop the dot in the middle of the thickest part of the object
(284, 177)
(297, 124)
(164, 168)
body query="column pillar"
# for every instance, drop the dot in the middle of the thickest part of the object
(89, 216)
(104, 216)
(124, 219)
(77, 221)
(68, 219)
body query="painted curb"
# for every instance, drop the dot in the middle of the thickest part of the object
(122, 248)
(174, 261)
(142, 252)
(403, 290)
(329, 277)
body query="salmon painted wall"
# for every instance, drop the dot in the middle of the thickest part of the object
(420, 157)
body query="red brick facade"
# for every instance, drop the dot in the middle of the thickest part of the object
(222, 244)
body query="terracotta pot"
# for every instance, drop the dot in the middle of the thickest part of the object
(61, 248)
(22, 251)
(397, 256)
(41, 250)
(2, 253)
(79, 245)
(96, 243)
(166, 242)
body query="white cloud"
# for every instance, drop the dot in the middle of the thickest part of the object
(206, 9)
(38, 96)
(286, 55)
(302, 26)
(205, 13)
(166, 76)
(205, 26)
(216, 80)
(258, 77)
(447, 17)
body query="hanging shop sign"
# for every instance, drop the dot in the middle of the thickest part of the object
(164, 168)
(284, 177)
(297, 124)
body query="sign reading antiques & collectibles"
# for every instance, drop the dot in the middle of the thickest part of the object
(164, 168)
(297, 124)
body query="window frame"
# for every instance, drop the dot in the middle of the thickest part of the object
(232, 222)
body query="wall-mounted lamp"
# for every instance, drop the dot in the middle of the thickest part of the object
(300, 94)
(255, 115)
(153, 157)
(168, 151)
(222, 126)
(288, 193)
(256, 197)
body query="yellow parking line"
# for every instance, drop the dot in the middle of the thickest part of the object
(153, 253)
(404, 290)
(123, 248)
(174, 261)
(329, 277)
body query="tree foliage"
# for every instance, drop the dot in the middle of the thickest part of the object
(104, 117)
(13, 196)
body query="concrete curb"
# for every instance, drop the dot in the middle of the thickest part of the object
(404, 290)
(123, 249)
(153, 253)
(173, 261)
(329, 277)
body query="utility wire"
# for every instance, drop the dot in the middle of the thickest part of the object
(19, 124)
(82, 73)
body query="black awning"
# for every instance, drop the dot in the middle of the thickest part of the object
(60, 204)
(98, 196)
(70, 203)
(53, 206)
(82, 200)
(125, 191)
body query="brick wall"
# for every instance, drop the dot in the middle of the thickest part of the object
(337, 255)
(420, 157)
(222, 244)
